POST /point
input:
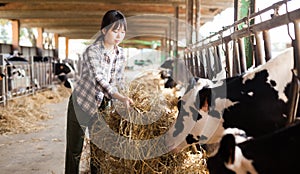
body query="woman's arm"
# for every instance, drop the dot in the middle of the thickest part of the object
(128, 101)
(97, 69)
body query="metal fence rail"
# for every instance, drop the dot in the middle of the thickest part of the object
(204, 57)
(24, 78)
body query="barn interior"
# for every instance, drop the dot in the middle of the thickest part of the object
(158, 31)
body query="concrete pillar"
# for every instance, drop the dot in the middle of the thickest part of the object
(56, 45)
(67, 47)
(189, 21)
(39, 39)
(198, 21)
(15, 34)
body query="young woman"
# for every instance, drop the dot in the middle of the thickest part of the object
(102, 75)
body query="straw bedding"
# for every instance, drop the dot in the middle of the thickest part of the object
(23, 114)
(150, 100)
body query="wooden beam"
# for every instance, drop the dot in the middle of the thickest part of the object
(97, 1)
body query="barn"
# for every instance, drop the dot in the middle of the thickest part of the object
(193, 69)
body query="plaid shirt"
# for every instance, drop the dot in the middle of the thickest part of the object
(100, 76)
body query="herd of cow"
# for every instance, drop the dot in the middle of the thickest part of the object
(257, 103)
(14, 69)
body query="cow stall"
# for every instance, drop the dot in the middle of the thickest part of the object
(245, 45)
(20, 76)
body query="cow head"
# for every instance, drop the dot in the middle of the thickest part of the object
(191, 123)
(64, 72)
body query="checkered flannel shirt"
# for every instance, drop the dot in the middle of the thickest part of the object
(101, 76)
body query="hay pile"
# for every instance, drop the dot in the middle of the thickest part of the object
(23, 114)
(150, 102)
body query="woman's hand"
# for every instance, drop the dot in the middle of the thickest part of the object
(126, 100)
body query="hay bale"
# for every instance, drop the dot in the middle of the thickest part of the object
(152, 115)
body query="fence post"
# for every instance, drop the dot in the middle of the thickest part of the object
(242, 54)
(267, 45)
(293, 105)
(259, 58)
(228, 59)
(200, 64)
(235, 59)
(31, 64)
(3, 92)
(217, 60)
(208, 63)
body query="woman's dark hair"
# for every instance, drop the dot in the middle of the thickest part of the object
(113, 17)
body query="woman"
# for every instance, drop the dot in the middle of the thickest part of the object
(102, 74)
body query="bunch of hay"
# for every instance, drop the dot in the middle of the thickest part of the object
(141, 122)
(23, 114)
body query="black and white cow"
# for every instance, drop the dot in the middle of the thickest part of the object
(166, 75)
(64, 72)
(272, 153)
(256, 102)
(15, 71)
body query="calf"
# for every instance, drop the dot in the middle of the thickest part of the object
(256, 102)
(18, 79)
(276, 152)
(169, 82)
(64, 72)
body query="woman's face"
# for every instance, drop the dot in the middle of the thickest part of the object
(114, 36)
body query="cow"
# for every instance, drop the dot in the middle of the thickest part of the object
(276, 152)
(15, 72)
(166, 75)
(256, 102)
(62, 70)
(65, 73)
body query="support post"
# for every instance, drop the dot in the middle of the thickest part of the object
(189, 21)
(176, 32)
(39, 40)
(56, 44)
(259, 58)
(198, 20)
(236, 59)
(15, 34)
(227, 57)
(267, 45)
(242, 54)
(67, 47)
(295, 87)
